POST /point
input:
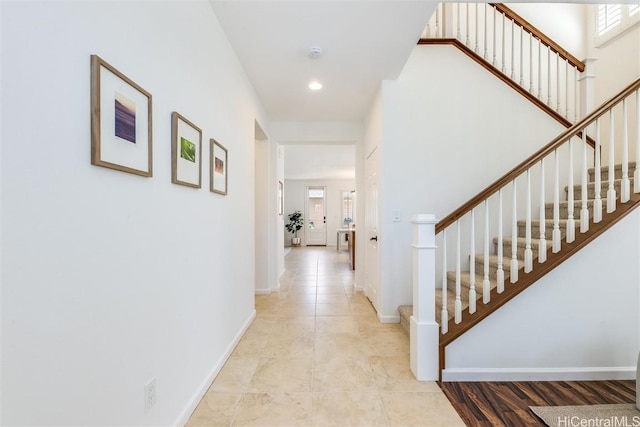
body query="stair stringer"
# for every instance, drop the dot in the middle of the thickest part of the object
(575, 359)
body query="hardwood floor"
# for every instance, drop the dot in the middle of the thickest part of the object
(494, 404)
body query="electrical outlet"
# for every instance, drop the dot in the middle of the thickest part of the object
(150, 394)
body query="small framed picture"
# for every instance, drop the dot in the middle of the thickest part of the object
(186, 152)
(120, 121)
(280, 198)
(219, 166)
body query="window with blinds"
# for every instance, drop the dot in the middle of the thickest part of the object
(613, 19)
(609, 16)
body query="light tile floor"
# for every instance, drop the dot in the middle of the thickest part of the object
(316, 355)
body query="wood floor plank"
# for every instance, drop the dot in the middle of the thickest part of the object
(507, 403)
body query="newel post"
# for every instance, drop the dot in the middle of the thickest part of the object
(424, 329)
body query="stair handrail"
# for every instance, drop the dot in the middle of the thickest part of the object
(544, 39)
(535, 158)
(513, 47)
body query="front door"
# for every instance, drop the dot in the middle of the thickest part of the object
(372, 282)
(316, 222)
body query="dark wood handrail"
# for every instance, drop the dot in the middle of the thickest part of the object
(544, 39)
(536, 157)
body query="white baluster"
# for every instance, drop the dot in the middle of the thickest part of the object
(584, 212)
(477, 25)
(597, 202)
(444, 314)
(530, 63)
(513, 51)
(467, 25)
(571, 224)
(500, 271)
(566, 89)
(625, 185)
(514, 237)
(458, 307)
(528, 253)
(636, 173)
(504, 45)
(611, 192)
(556, 235)
(539, 70)
(458, 22)
(548, 76)
(472, 265)
(576, 91)
(486, 283)
(521, 56)
(495, 14)
(437, 29)
(486, 29)
(542, 242)
(557, 82)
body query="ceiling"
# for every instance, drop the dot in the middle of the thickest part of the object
(319, 161)
(362, 41)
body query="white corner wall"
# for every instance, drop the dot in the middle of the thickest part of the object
(581, 321)
(110, 279)
(449, 129)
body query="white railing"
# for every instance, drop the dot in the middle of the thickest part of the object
(515, 48)
(461, 237)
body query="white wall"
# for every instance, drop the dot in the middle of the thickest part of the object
(262, 223)
(295, 199)
(567, 325)
(279, 232)
(269, 232)
(564, 23)
(449, 129)
(110, 279)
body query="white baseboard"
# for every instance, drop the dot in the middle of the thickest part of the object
(263, 291)
(389, 319)
(540, 374)
(197, 397)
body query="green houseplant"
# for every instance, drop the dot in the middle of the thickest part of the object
(294, 225)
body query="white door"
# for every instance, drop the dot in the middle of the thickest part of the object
(316, 217)
(372, 282)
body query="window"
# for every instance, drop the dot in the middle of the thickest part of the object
(609, 17)
(348, 199)
(614, 19)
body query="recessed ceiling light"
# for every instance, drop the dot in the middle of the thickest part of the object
(315, 85)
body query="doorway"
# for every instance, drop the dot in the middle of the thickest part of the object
(316, 214)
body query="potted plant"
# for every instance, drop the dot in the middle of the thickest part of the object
(294, 225)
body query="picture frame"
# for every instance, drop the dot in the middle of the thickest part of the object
(218, 168)
(280, 198)
(186, 152)
(121, 121)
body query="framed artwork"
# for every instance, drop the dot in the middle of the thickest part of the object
(186, 152)
(280, 198)
(219, 168)
(120, 121)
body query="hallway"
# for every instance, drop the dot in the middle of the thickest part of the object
(316, 355)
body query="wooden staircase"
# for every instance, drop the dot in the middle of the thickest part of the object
(465, 277)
